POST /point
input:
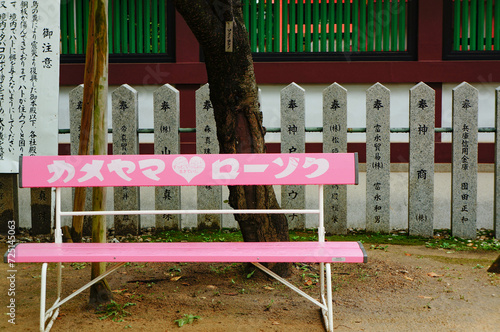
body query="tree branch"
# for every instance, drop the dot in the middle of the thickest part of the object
(201, 17)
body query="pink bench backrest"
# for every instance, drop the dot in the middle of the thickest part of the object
(188, 170)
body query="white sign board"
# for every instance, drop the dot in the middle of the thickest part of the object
(29, 80)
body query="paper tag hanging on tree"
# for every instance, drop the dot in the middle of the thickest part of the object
(229, 36)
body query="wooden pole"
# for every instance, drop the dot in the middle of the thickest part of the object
(100, 292)
(95, 95)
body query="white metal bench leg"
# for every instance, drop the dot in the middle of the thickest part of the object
(58, 303)
(53, 312)
(52, 319)
(43, 297)
(327, 305)
(48, 314)
(327, 311)
(329, 298)
(322, 281)
(289, 285)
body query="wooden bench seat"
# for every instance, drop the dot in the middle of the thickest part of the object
(263, 252)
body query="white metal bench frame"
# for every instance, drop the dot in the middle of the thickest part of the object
(48, 316)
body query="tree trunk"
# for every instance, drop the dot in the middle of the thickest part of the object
(85, 124)
(234, 96)
(98, 28)
(495, 267)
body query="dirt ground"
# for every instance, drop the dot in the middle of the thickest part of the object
(401, 288)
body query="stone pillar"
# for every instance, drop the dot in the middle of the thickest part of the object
(421, 173)
(335, 140)
(75, 120)
(293, 141)
(9, 203)
(41, 211)
(464, 165)
(496, 222)
(124, 102)
(209, 197)
(166, 138)
(378, 154)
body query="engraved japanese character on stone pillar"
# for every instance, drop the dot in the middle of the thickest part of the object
(378, 159)
(209, 198)
(335, 141)
(166, 138)
(464, 166)
(293, 141)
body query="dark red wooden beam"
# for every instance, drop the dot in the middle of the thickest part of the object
(301, 72)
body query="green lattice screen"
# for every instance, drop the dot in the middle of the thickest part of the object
(326, 25)
(476, 25)
(135, 26)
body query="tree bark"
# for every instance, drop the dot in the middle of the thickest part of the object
(495, 267)
(100, 292)
(234, 96)
(85, 125)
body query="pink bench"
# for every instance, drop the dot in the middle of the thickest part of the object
(156, 170)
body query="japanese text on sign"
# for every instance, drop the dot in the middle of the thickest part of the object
(143, 170)
(29, 44)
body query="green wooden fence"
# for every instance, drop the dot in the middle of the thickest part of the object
(327, 25)
(136, 26)
(476, 25)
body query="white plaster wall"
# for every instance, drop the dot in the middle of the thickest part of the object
(356, 108)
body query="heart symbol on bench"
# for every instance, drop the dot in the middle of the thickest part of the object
(188, 170)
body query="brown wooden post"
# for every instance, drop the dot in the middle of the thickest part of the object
(8, 201)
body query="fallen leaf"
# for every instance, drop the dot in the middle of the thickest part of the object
(175, 278)
(408, 278)
(406, 254)
(308, 282)
(119, 290)
(434, 275)
(268, 288)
